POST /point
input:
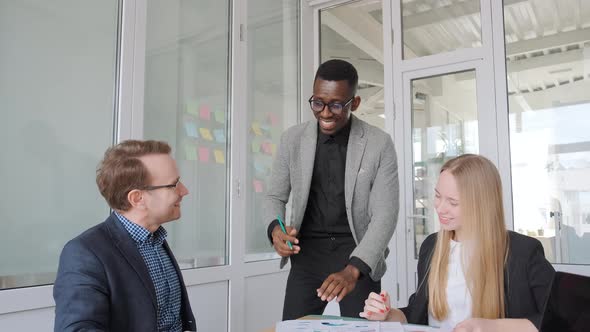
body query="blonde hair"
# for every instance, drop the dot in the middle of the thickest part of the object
(485, 243)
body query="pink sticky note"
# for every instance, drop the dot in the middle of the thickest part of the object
(266, 148)
(257, 186)
(273, 119)
(204, 155)
(205, 112)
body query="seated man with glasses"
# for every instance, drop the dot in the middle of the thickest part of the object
(121, 275)
(341, 174)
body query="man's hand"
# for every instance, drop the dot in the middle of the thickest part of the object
(339, 284)
(279, 241)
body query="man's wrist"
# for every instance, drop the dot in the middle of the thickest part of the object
(354, 271)
(363, 268)
(270, 229)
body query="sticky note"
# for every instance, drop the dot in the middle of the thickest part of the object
(260, 169)
(273, 148)
(219, 156)
(205, 112)
(219, 135)
(191, 129)
(192, 108)
(257, 186)
(190, 152)
(266, 148)
(255, 146)
(220, 116)
(206, 134)
(256, 129)
(272, 118)
(204, 154)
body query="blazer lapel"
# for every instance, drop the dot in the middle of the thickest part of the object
(354, 155)
(127, 247)
(308, 145)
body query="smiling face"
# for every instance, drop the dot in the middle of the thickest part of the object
(447, 203)
(163, 204)
(333, 92)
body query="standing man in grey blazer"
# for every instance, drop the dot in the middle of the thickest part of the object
(341, 174)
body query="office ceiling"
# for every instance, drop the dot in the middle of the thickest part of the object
(548, 41)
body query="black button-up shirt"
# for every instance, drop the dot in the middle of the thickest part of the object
(325, 215)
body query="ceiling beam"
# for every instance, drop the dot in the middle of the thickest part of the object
(548, 42)
(561, 58)
(452, 11)
(358, 27)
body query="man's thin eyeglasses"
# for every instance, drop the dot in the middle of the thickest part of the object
(335, 107)
(173, 186)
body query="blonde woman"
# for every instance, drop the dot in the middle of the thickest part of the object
(473, 274)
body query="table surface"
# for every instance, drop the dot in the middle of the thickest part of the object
(409, 327)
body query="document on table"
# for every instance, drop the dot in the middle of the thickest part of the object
(337, 326)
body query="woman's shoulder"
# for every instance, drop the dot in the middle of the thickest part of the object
(523, 247)
(428, 244)
(522, 242)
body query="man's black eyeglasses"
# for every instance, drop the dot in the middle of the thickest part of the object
(173, 186)
(335, 107)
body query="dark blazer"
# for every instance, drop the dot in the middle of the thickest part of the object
(103, 284)
(527, 280)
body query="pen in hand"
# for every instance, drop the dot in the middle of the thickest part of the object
(284, 231)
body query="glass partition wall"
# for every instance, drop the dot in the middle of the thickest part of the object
(548, 79)
(57, 105)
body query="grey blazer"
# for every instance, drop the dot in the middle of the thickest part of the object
(371, 186)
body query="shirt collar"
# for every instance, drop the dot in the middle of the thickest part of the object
(340, 137)
(141, 235)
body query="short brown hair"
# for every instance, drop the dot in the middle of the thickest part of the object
(121, 171)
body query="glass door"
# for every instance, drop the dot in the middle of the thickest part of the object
(446, 117)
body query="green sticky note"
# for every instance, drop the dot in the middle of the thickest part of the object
(255, 146)
(220, 116)
(190, 152)
(192, 107)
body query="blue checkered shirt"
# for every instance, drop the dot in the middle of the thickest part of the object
(162, 273)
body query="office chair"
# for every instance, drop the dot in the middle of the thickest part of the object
(568, 306)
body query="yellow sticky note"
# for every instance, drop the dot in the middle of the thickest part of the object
(219, 157)
(206, 134)
(256, 129)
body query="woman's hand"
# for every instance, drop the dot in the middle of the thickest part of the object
(504, 324)
(377, 306)
(476, 325)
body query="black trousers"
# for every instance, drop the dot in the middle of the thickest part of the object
(318, 259)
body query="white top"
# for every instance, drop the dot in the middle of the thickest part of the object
(458, 297)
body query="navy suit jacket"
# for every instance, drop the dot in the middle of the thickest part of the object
(103, 284)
